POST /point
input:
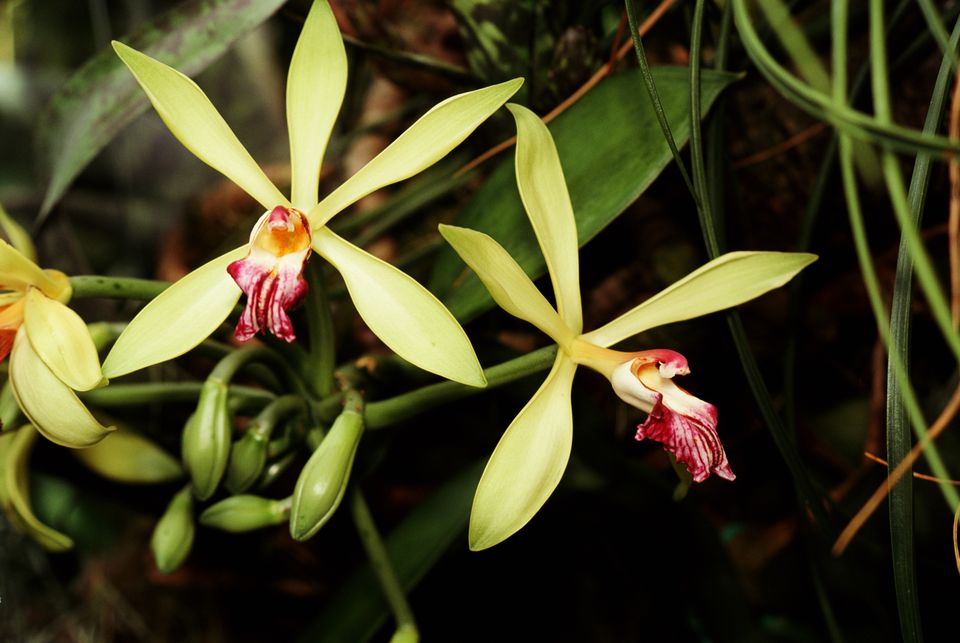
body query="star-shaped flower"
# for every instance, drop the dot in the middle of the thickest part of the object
(530, 459)
(401, 312)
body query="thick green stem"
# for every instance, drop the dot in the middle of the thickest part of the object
(88, 286)
(138, 394)
(322, 357)
(383, 567)
(275, 412)
(402, 407)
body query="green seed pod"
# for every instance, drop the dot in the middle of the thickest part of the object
(173, 535)
(245, 513)
(248, 456)
(206, 439)
(324, 478)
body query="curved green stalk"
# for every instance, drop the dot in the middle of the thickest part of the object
(805, 487)
(88, 286)
(845, 118)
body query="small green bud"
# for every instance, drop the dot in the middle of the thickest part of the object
(323, 479)
(245, 513)
(248, 456)
(206, 439)
(173, 535)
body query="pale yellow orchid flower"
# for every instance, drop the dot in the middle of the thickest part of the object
(51, 351)
(530, 459)
(401, 312)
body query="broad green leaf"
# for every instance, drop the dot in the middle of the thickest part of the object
(48, 403)
(727, 281)
(196, 123)
(528, 462)
(102, 98)
(358, 609)
(18, 272)
(401, 312)
(612, 150)
(179, 318)
(128, 457)
(15, 450)
(61, 339)
(509, 286)
(316, 83)
(424, 143)
(543, 191)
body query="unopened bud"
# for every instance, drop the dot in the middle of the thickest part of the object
(324, 478)
(245, 513)
(173, 535)
(206, 439)
(248, 456)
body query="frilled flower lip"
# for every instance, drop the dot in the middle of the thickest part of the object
(685, 425)
(271, 275)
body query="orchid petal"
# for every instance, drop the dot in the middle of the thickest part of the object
(17, 272)
(50, 404)
(528, 462)
(727, 281)
(316, 83)
(508, 284)
(192, 118)
(423, 144)
(179, 318)
(543, 191)
(15, 451)
(402, 313)
(61, 339)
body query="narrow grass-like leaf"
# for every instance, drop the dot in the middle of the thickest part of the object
(900, 498)
(805, 487)
(102, 98)
(820, 105)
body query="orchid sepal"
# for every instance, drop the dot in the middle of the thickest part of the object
(401, 312)
(178, 319)
(528, 462)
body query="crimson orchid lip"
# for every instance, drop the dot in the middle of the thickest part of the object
(271, 275)
(685, 425)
